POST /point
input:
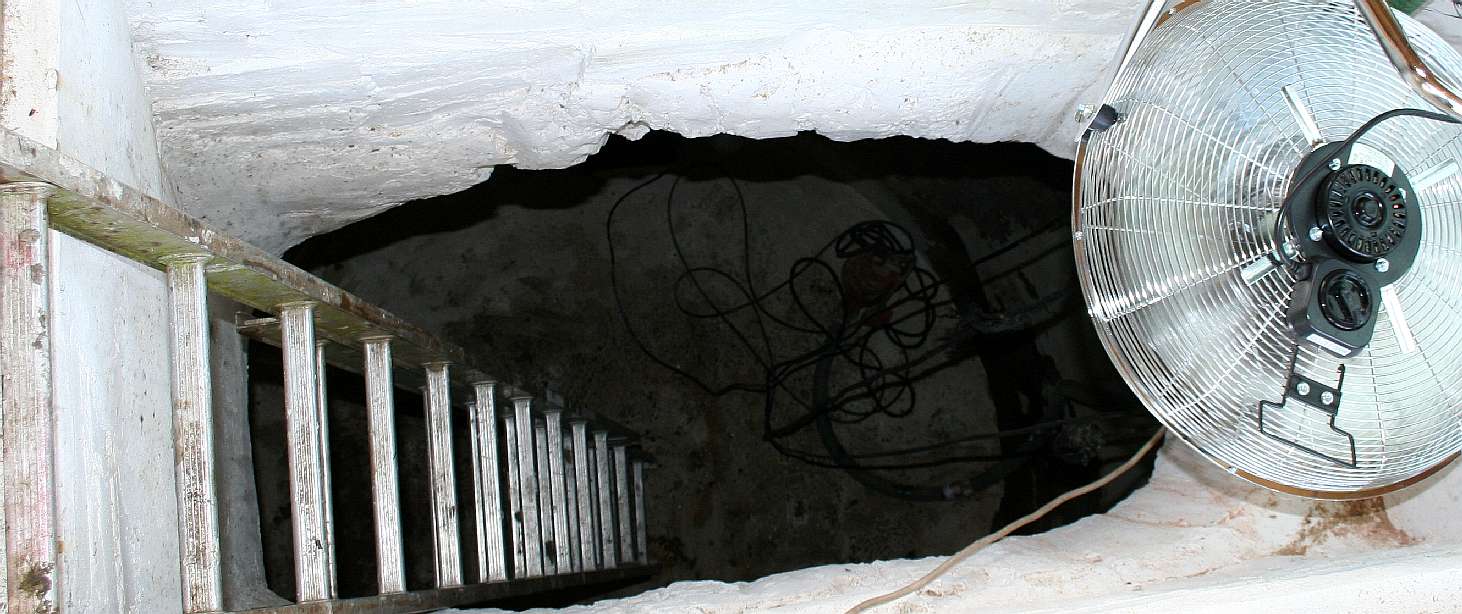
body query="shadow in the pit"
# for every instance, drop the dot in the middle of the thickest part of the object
(517, 270)
(564, 597)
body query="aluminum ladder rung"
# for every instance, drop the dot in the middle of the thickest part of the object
(312, 573)
(445, 525)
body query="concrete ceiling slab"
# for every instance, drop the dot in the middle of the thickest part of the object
(281, 120)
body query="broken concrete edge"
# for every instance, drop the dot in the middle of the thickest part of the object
(1193, 529)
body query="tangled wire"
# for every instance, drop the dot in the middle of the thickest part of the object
(880, 328)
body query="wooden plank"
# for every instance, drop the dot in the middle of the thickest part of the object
(327, 498)
(491, 536)
(445, 525)
(557, 490)
(583, 467)
(528, 494)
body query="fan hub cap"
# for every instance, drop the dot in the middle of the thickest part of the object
(1368, 211)
(1363, 211)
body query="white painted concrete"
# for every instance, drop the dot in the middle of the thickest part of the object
(283, 120)
(1444, 18)
(28, 98)
(1194, 540)
(117, 512)
(244, 586)
(104, 112)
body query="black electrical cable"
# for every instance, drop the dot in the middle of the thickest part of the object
(903, 311)
(864, 238)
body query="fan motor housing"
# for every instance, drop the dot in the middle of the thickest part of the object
(1356, 225)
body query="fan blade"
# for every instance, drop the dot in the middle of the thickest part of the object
(1392, 302)
(1434, 175)
(1302, 116)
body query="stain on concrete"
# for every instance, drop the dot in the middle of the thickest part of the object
(1363, 519)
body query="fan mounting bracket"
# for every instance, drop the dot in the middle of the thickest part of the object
(1312, 393)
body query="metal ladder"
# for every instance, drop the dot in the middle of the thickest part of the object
(556, 503)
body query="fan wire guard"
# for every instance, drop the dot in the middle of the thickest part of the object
(1176, 201)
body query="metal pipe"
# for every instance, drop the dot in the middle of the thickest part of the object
(642, 537)
(528, 481)
(515, 500)
(492, 488)
(604, 489)
(322, 409)
(26, 407)
(546, 501)
(297, 325)
(1413, 70)
(445, 529)
(558, 491)
(385, 488)
(192, 390)
(621, 497)
(588, 537)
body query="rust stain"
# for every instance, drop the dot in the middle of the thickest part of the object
(1365, 519)
(36, 580)
(36, 583)
(21, 252)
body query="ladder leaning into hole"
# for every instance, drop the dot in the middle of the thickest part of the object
(545, 512)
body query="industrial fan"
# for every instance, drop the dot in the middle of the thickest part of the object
(1268, 233)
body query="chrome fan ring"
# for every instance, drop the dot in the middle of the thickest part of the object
(1191, 287)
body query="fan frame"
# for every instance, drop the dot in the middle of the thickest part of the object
(1412, 69)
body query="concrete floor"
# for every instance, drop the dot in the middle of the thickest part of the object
(1194, 539)
(516, 270)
